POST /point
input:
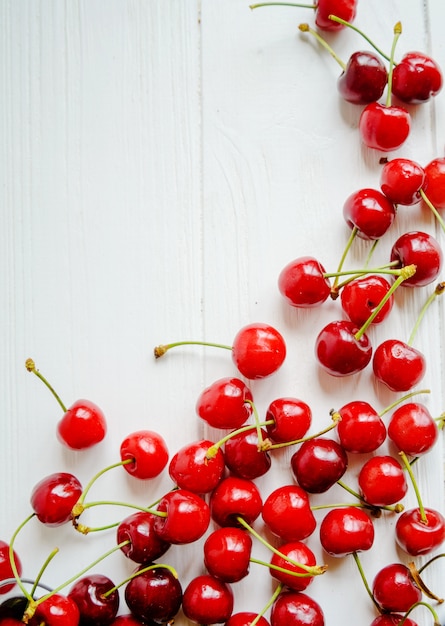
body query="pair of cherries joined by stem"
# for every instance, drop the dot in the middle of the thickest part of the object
(345, 9)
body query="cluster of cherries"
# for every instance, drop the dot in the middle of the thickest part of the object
(215, 497)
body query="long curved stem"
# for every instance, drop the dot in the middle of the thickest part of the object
(162, 349)
(440, 288)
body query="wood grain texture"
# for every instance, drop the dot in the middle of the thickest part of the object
(160, 162)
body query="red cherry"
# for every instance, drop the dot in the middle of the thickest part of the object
(346, 530)
(148, 451)
(417, 536)
(302, 283)
(127, 620)
(245, 618)
(416, 78)
(434, 185)
(154, 595)
(235, 497)
(364, 78)
(401, 180)
(287, 513)
(398, 365)
(227, 554)
(419, 249)
(296, 609)
(318, 464)
(56, 610)
(384, 127)
(394, 588)
(187, 519)
(207, 600)
(412, 429)
(370, 211)
(5, 567)
(393, 619)
(292, 418)
(362, 295)
(338, 350)
(258, 350)
(382, 481)
(226, 403)
(191, 469)
(345, 9)
(53, 498)
(244, 457)
(96, 608)
(360, 429)
(299, 552)
(145, 544)
(82, 426)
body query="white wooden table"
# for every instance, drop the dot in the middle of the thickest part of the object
(161, 161)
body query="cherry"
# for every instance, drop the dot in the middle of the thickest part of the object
(401, 180)
(324, 9)
(383, 127)
(227, 554)
(144, 543)
(243, 454)
(318, 464)
(362, 295)
(56, 610)
(339, 349)
(392, 619)
(382, 481)
(154, 594)
(54, 497)
(13, 609)
(363, 79)
(416, 78)
(226, 403)
(191, 468)
(422, 250)
(370, 212)
(394, 588)
(398, 365)
(412, 429)
(420, 530)
(299, 552)
(360, 429)
(187, 517)
(97, 599)
(434, 185)
(6, 570)
(128, 620)
(245, 618)
(346, 530)
(147, 450)
(296, 608)
(303, 283)
(235, 498)
(207, 600)
(287, 513)
(291, 419)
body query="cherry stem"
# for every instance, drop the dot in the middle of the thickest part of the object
(31, 367)
(438, 291)
(395, 508)
(283, 4)
(12, 562)
(162, 349)
(428, 563)
(401, 400)
(335, 418)
(269, 603)
(138, 573)
(397, 33)
(405, 273)
(383, 269)
(258, 425)
(83, 495)
(339, 20)
(415, 573)
(409, 469)
(428, 606)
(277, 568)
(85, 529)
(305, 28)
(365, 582)
(42, 570)
(433, 209)
(213, 450)
(352, 236)
(313, 570)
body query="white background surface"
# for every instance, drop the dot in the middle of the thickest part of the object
(161, 161)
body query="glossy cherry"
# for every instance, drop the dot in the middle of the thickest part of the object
(244, 457)
(416, 78)
(303, 283)
(227, 554)
(412, 429)
(434, 185)
(401, 180)
(364, 78)
(207, 600)
(298, 552)
(226, 403)
(258, 350)
(398, 365)
(96, 608)
(318, 464)
(56, 610)
(53, 498)
(6, 570)
(418, 536)
(370, 212)
(82, 426)
(245, 618)
(339, 351)
(187, 517)
(191, 469)
(235, 497)
(422, 250)
(291, 417)
(296, 609)
(145, 544)
(148, 451)
(382, 481)
(394, 588)
(362, 295)
(346, 530)
(287, 513)
(360, 429)
(383, 127)
(154, 595)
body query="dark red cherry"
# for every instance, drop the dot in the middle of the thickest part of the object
(96, 608)
(346, 530)
(296, 609)
(128, 620)
(303, 284)
(245, 618)
(362, 295)
(82, 426)
(287, 513)
(363, 79)
(360, 429)
(227, 553)
(384, 128)
(382, 481)
(416, 78)
(399, 366)
(401, 180)
(418, 536)
(191, 469)
(370, 211)
(145, 544)
(338, 350)
(318, 464)
(243, 456)
(394, 588)
(298, 552)
(53, 498)
(434, 185)
(235, 497)
(292, 418)
(258, 350)
(419, 249)
(149, 453)
(207, 600)
(154, 595)
(187, 517)
(56, 610)
(345, 9)
(413, 429)
(6, 571)
(226, 403)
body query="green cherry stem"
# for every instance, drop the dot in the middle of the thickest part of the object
(394, 508)
(349, 243)
(397, 33)
(42, 570)
(435, 212)
(365, 581)
(305, 28)
(138, 572)
(339, 20)
(438, 291)
(267, 606)
(162, 349)
(213, 449)
(391, 406)
(425, 604)
(274, 446)
(31, 367)
(409, 469)
(283, 4)
(12, 562)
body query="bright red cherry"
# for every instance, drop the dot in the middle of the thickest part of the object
(303, 284)
(339, 351)
(416, 78)
(258, 350)
(370, 211)
(233, 498)
(145, 544)
(244, 457)
(5, 567)
(53, 498)
(399, 366)
(394, 588)
(94, 606)
(418, 536)
(298, 552)
(384, 128)
(292, 418)
(56, 610)
(296, 609)
(364, 78)
(362, 295)
(419, 249)
(434, 185)
(392, 619)
(82, 426)
(245, 618)
(191, 469)
(287, 513)
(148, 451)
(346, 530)
(227, 553)
(154, 595)
(360, 429)
(345, 9)
(226, 403)
(382, 481)
(318, 464)
(207, 600)
(187, 519)
(401, 180)
(413, 429)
